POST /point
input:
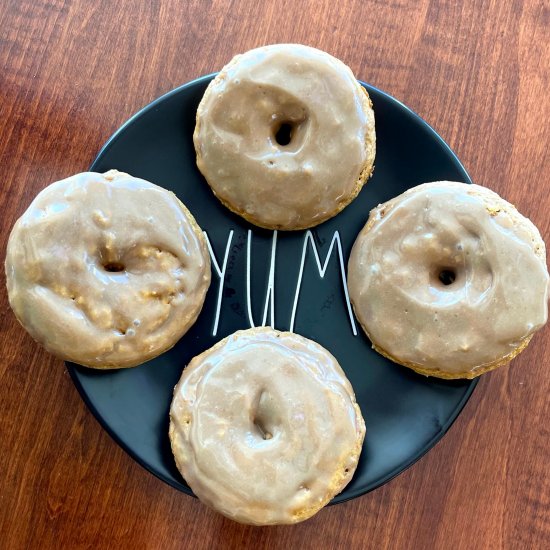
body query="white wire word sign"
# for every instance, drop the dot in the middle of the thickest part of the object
(220, 264)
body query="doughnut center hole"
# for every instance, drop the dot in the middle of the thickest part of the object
(447, 276)
(262, 416)
(264, 432)
(114, 267)
(284, 133)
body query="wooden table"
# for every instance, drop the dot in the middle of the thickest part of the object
(72, 72)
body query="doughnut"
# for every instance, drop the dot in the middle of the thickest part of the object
(449, 280)
(265, 427)
(285, 136)
(106, 270)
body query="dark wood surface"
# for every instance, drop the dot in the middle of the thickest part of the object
(73, 71)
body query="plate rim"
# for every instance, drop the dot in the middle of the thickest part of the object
(403, 466)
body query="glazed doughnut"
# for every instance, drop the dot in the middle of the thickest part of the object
(285, 136)
(449, 279)
(265, 428)
(106, 270)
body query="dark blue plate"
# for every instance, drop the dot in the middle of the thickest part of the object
(406, 414)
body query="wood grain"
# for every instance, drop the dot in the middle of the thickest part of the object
(72, 72)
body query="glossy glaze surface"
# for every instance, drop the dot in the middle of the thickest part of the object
(330, 128)
(265, 427)
(449, 276)
(106, 270)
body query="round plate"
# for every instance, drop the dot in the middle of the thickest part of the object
(405, 413)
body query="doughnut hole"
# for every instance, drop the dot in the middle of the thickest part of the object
(264, 416)
(288, 129)
(262, 119)
(114, 267)
(145, 274)
(473, 281)
(108, 257)
(139, 259)
(288, 134)
(446, 277)
(284, 134)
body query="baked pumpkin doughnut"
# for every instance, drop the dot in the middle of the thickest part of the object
(265, 428)
(449, 279)
(106, 270)
(285, 136)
